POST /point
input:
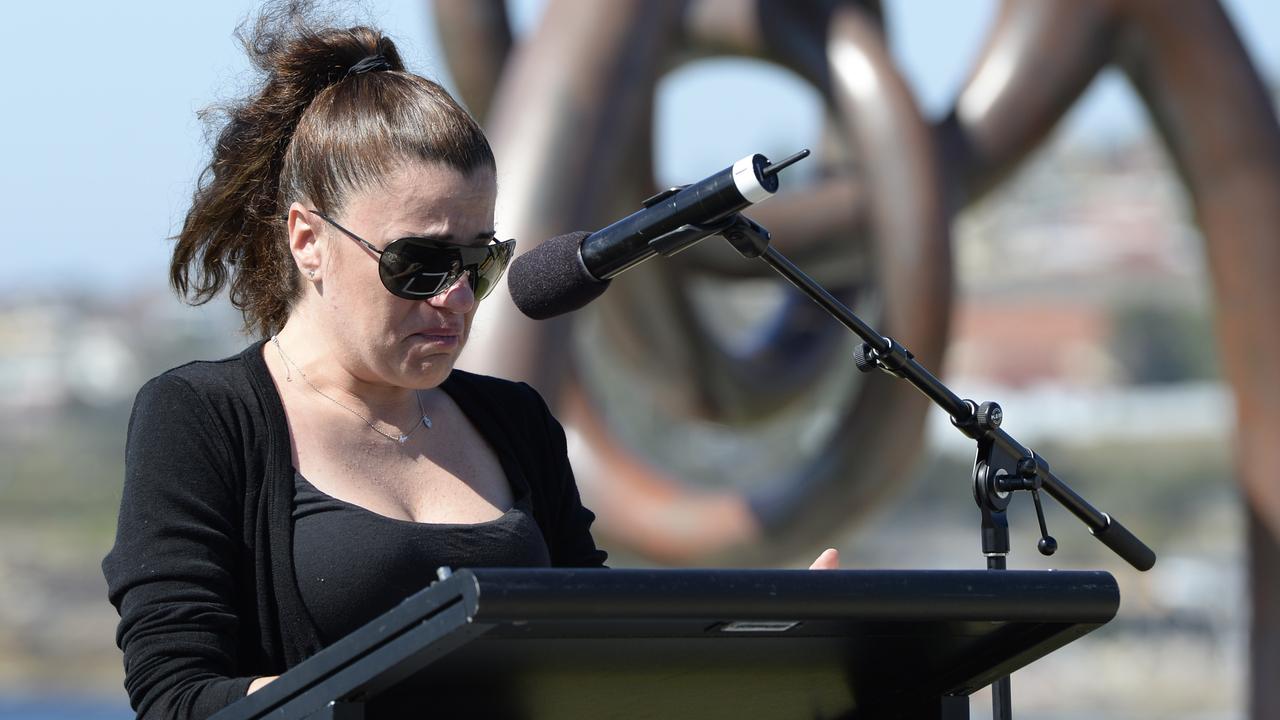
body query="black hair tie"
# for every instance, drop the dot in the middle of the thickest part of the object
(372, 63)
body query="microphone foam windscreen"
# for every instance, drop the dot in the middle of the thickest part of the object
(551, 280)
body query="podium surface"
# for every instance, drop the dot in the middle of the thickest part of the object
(559, 643)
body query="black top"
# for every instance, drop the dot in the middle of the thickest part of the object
(202, 571)
(353, 564)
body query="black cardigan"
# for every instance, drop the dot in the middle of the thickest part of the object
(202, 567)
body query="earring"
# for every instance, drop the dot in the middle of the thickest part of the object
(311, 273)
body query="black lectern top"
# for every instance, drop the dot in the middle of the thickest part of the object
(553, 643)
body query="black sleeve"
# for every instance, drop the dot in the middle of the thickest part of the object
(171, 571)
(569, 538)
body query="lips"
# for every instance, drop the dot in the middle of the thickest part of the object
(448, 331)
(438, 337)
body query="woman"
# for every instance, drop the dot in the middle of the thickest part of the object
(276, 500)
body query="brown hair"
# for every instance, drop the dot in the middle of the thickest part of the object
(311, 131)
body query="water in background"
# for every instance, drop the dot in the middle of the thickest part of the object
(50, 709)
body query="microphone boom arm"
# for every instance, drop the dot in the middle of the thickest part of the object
(1002, 466)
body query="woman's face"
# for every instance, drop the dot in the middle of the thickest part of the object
(380, 338)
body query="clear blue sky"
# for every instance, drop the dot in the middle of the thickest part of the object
(100, 142)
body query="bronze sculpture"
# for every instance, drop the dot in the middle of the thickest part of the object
(578, 93)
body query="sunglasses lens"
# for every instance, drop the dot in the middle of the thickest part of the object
(488, 269)
(417, 271)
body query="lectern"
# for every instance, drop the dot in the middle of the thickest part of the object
(630, 644)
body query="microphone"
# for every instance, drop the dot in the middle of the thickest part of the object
(569, 271)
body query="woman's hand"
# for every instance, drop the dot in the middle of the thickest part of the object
(828, 560)
(259, 683)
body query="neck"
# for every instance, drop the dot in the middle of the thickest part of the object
(307, 355)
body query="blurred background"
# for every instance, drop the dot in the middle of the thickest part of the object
(1096, 335)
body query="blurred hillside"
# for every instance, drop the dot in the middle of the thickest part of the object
(69, 367)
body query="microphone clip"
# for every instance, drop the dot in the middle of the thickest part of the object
(746, 236)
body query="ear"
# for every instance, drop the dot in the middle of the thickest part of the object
(304, 242)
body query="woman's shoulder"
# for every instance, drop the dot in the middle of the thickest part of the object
(215, 381)
(494, 389)
(506, 408)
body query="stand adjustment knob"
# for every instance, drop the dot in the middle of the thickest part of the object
(1047, 545)
(989, 415)
(864, 357)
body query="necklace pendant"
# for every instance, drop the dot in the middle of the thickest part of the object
(426, 421)
(402, 438)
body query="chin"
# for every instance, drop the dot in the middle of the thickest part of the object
(425, 361)
(428, 371)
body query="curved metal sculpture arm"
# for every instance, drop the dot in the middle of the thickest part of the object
(476, 37)
(1039, 58)
(1218, 121)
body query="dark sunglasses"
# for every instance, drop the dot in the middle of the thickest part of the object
(418, 268)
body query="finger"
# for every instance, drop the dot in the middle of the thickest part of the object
(258, 683)
(828, 560)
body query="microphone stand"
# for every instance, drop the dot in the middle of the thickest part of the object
(1001, 467)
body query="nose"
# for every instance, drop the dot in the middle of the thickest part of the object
(457, 298)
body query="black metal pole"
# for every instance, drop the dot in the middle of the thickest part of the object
(885, 347)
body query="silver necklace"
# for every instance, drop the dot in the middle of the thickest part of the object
(423, 420)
